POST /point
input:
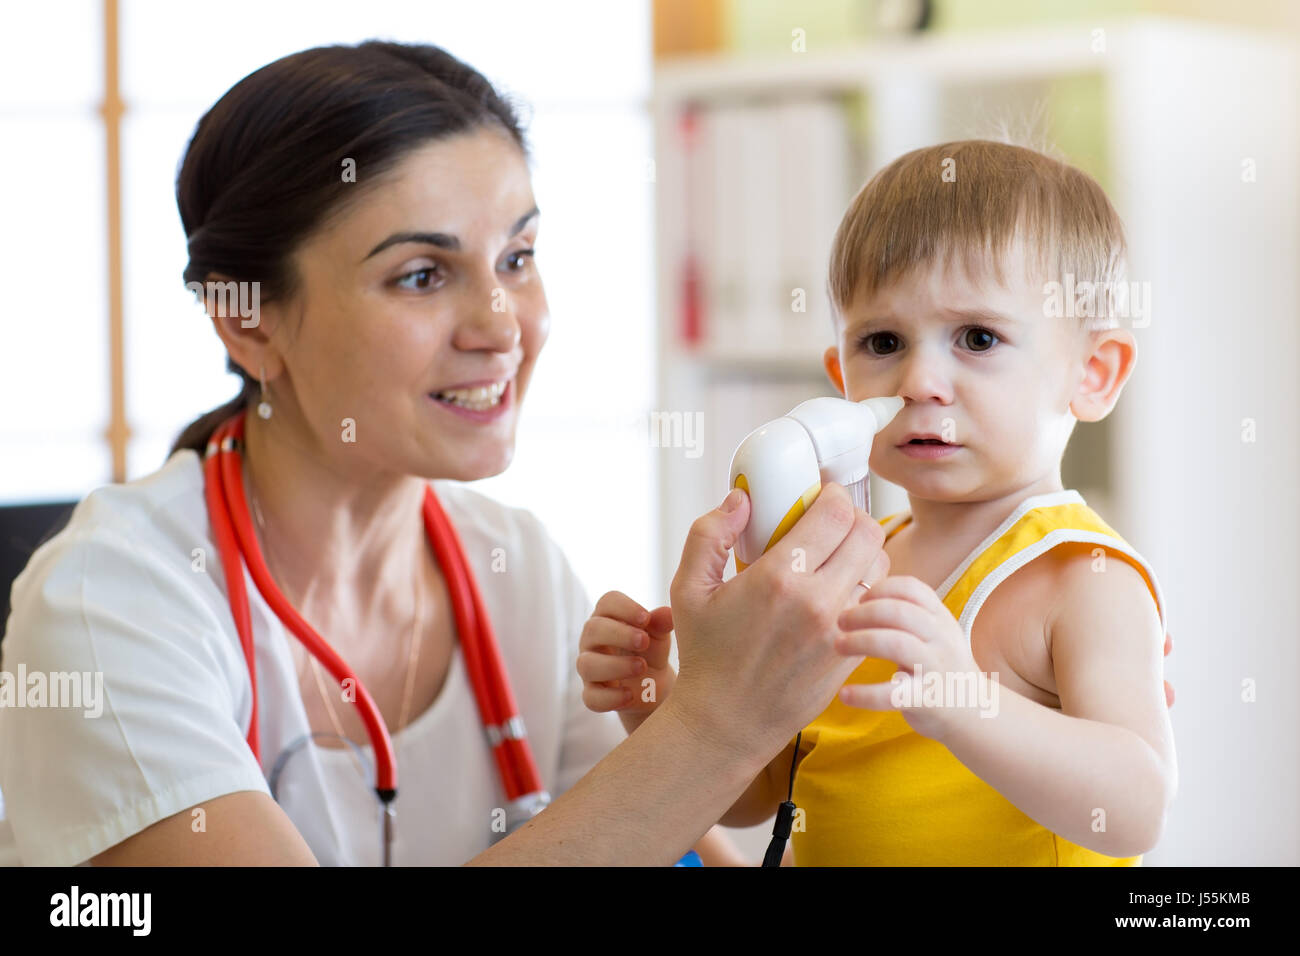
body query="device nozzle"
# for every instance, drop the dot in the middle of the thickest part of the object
(883, 409)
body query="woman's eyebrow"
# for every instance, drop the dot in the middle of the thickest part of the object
(443, 240)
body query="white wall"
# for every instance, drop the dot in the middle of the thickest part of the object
(1214, 511)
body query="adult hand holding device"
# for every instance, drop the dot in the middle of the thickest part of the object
(758, 657)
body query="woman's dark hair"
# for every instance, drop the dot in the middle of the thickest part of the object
(265, 167)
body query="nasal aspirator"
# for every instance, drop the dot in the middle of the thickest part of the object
(783, 464)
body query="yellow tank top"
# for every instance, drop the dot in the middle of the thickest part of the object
(876, 793)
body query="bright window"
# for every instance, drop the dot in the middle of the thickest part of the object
(581, 464)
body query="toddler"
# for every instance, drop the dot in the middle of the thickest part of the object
(1010, 708)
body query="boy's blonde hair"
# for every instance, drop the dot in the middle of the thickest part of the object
(966, 201)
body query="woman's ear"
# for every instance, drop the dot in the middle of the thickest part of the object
(1107, 365)
(831, 359)
(242, 322)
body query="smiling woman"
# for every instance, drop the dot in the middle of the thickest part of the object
(378, 198)
(449, 130)
(400, 315)
(376, 203)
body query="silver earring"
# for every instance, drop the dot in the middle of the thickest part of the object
(264, 407)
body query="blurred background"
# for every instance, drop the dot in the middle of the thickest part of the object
(692, 159)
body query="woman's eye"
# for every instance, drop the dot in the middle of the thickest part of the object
(986, 339)
(518, 260)
(875, 337)
(423, 277)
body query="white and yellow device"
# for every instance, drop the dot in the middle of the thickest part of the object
(782, 465)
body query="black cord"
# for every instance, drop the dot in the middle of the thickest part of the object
(784, 816)
(793, 760)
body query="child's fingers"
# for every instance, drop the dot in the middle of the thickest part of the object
(620, 607)
(661, 621)
(601, 699)
(882, 643)
(868, 696)
(606, 632)
(660, 630)
(886, 612)
(656, 655)
(596, 667)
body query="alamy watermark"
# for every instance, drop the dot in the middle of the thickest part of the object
(62, 689)
(922, 688)
(680, 430)
(75, 908)
(231, 299)
(677, 430)
(1098, 300)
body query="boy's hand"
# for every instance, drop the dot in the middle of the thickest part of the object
(926, 634)
(623, 656)
(902, 620)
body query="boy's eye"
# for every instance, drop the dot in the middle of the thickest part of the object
(885, 343)
(982, 336)
(890, 339)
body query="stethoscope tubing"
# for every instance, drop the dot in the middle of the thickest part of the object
(236, 542)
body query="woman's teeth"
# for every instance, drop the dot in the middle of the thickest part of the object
(476, 399)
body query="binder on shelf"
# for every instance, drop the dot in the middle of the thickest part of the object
(724, 251)
(814, 157)
(764, 185)
(691, 291)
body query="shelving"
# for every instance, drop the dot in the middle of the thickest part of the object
(1193, 131)
(1123, 98)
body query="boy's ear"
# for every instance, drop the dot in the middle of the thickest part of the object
(831, 359)
(1107, 364)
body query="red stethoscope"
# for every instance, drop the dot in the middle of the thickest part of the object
(233, 532)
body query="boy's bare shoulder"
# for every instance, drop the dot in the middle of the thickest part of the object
(1009, 634)
(1013, 630)
(1083, 576)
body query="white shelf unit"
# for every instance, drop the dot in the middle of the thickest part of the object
(1186, 106)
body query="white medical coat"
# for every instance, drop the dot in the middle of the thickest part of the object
(119, 591)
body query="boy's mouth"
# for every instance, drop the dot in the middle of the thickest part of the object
(927, 447)
(922, 438)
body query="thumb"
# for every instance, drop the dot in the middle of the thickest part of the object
(661, 621)
(712, 536)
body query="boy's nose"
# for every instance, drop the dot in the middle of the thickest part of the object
(923, 378)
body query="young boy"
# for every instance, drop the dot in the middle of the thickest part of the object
(946, 275)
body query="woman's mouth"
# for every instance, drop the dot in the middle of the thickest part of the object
(480, 402)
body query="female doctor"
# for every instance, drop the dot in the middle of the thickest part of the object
(399, 314)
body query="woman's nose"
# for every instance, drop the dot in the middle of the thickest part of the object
(488, 321)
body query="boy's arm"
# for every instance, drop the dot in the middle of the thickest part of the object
(1100, 772)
